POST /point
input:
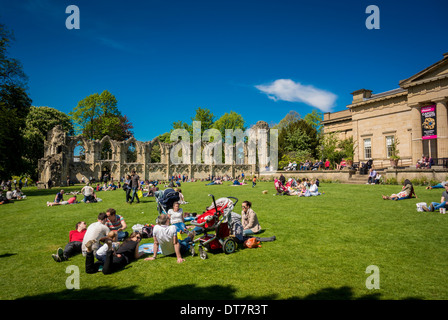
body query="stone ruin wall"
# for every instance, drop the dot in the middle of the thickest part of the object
(60, 162)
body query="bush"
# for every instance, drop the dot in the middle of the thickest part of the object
(30, 181)
(391, 181)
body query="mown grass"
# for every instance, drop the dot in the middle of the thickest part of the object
(324, 245)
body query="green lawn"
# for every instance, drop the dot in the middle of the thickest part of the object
(324, 245)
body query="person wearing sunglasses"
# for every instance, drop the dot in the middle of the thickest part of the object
(126, 253)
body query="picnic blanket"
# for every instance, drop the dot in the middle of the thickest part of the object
(148, 248)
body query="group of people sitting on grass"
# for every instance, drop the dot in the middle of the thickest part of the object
(408, 192)
(87, 192)
(443, 200)
(108, 242)
(235, 182)
(105, 239)
(11, 195)
(300, 188)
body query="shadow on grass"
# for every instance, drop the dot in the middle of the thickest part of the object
(194, 292)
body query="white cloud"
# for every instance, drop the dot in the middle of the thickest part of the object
(288, 90)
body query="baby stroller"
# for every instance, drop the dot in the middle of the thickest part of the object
(216, 219)
(166, 200)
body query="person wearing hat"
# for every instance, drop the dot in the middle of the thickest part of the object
(435, 205)
(437, 186)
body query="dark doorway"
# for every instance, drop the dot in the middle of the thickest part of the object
(430, 148)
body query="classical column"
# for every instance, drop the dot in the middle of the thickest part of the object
(359, 152)
(417, 145)
(442, 128)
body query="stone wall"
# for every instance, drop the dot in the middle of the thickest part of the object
(351, 176)
(60, 161)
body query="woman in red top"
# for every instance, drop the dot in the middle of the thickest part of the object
(343, 164)
(75, 242)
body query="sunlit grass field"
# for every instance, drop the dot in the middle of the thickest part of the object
(324, 246)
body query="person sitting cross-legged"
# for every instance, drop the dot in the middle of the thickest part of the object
(165, 236)
(435, 205)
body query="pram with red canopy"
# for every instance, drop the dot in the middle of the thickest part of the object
(215, 219)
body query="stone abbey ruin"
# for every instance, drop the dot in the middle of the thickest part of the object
(78, 159)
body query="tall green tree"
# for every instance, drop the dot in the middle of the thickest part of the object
(290, 117)
(297, 141)
(334, 149)
(14, 107)
(97, 115)
(314, 119)
(39, 121)
(231, 120)
(206, 117)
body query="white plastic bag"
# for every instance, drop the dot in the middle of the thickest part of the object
(137, 227)
(420, 205)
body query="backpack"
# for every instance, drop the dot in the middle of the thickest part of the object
(147, 231)
(252, 243)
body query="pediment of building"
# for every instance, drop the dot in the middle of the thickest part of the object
(437, 71)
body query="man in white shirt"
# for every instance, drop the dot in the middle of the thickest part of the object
(87, 192)
(165, 235)
(96, 232)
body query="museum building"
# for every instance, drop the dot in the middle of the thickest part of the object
(414, 116)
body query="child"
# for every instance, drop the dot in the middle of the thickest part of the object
(304, 192)
(177, 217)
(101, 252)
(181, 196)
(254, 181)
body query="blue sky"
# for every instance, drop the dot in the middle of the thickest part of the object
(162, 59)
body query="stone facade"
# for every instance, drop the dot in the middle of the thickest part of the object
(375, 119)
(103, 156)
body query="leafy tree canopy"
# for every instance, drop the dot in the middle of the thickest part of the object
(97, 115)
(14, 107)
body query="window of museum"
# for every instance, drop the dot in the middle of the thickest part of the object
(389, 145)
(367, 148)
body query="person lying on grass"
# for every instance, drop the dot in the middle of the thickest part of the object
(165, 236)
(407, 192)
(435, 205)
(74, 245)
(114, 261)
(437, 186)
